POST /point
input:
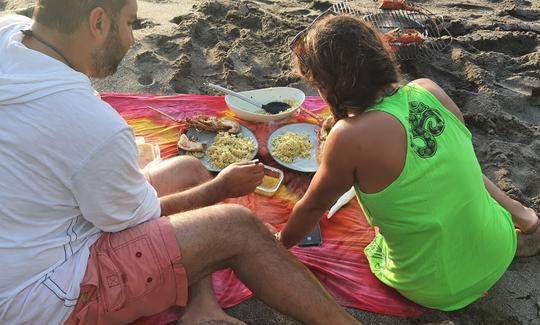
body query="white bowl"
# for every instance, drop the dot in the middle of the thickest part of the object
(246, 111)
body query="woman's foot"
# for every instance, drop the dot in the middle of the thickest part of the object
(533, 222)
(528, 244)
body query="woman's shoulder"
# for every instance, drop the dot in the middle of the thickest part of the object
(364, 130)
(441, 96)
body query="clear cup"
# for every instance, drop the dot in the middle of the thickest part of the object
(149, 153)
(272, 180)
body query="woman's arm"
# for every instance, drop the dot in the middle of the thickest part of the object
(524, 218)
(333, 178)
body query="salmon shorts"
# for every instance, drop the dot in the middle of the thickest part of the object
(130, 274)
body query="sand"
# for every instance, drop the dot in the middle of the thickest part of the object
(491, 70)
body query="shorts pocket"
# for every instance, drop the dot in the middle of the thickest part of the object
(140, 271)
(111, 286)
(85, 313)
(87, 309)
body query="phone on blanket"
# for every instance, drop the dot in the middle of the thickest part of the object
(314, 238)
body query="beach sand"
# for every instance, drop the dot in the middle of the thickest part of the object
(491, 70)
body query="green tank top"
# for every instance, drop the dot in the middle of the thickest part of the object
(443, 241)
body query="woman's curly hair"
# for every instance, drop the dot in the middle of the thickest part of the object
(347, 61)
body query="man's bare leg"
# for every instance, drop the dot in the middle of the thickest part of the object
(171, 176)
(227, 235)
(177, 174)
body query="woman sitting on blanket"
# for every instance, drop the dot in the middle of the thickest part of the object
(446, 232)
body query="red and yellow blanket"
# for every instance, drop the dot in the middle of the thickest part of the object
(339, 263)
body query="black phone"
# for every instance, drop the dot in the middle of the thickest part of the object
(314, 238)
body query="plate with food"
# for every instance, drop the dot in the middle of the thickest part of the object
(218, 142)
(295, 146)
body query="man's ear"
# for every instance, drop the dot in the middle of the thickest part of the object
(99, 24)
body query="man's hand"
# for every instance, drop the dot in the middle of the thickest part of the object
(240, 178)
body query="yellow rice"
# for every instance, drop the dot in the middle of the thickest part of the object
(229, 148)
(290, 146)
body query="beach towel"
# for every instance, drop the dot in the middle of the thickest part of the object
(339, 264)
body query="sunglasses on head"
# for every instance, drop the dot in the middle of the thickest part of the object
(302, 34)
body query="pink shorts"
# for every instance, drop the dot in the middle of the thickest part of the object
(130, 274)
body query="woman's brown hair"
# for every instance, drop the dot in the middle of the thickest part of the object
(347, 61)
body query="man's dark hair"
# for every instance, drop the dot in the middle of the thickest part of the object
(66, 16)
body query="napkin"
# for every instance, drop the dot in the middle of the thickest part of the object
(344, 199)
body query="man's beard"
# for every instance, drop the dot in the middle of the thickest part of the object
(107, 58)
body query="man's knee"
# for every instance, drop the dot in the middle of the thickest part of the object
(190, 167)
(178, 174)
(238, 214)
(243, 220)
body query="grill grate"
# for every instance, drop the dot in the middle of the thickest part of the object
(415, 17)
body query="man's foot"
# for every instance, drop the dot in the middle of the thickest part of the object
(528, 244)
(216, 322)
(203, 308)
(213, 317)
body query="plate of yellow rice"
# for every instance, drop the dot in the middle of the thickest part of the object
(222, 148)
(295, 146)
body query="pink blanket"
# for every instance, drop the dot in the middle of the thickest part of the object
(339, 263)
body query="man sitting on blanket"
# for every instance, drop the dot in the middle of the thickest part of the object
(81, 238)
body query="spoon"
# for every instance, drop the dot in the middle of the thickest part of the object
(272, 107)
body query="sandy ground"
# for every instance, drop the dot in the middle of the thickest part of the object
(491, 70)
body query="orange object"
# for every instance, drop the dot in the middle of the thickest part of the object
(406, 36)
(394, 5)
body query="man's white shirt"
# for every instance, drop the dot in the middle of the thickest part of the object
(68, 171)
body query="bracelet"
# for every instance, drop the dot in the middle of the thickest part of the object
(277, 236)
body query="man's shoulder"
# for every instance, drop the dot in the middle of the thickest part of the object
(9, 20)
(85, 106)
(83, 117)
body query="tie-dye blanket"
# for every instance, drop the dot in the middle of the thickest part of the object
(339, 263)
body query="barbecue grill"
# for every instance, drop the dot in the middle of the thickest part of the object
(436, 37)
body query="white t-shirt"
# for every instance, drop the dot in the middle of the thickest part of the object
(68, 171)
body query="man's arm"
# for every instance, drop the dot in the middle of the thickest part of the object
(333, 178)
(524, 218)
(236, 180)
(109, 188)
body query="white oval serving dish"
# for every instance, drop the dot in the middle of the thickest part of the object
(246, 111)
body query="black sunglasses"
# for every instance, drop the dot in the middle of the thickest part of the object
(299, 36)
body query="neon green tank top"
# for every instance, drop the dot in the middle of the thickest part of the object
(443, 240)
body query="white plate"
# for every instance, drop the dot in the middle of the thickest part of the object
(308, 165)
(208, 138)
(244, 110)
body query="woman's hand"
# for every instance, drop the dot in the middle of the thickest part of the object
(530, 221)
(273, 230)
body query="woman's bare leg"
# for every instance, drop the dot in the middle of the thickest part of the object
(528, 244)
